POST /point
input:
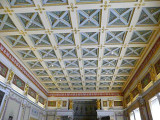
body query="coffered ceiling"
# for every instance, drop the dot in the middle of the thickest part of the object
(80, 45)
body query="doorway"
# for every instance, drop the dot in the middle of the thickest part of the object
(85, 109)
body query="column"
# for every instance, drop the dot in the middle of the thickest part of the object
(126, 115)
(125, 110)
(22, 112)
(143, 109)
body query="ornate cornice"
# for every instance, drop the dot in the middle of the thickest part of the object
(84, 94)
(12, 59)
(146, 60)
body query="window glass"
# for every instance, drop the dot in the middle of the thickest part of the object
(135, 115)
(132, 116)
(155, 108)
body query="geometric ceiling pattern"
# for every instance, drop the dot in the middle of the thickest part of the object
(80, 45)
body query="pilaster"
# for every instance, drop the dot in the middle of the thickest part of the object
(143, 109)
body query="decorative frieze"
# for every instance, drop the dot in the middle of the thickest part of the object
(102, 94)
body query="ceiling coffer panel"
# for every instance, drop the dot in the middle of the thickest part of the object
(80, 45)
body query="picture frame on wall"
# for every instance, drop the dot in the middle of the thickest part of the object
(64, 104)
(104, 103)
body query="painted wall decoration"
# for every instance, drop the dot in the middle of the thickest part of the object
(51, 103)
(32, 93)
(157, 66)
(135, 92)
(3, 70)
(64, 103)
(146, 80)
(41, 100)
(18, 82)
(118, 103)
(104, 103)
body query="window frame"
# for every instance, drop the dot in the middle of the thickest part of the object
(157, 96)
(133, 112)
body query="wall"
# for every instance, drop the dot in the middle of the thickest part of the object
(19, 106)
(19, 73)
(153, 92)
(145, 86)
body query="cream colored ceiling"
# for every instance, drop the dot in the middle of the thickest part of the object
(80, 45)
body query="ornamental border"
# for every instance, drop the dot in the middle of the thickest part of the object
(145, 61)
(83, 94)
(12, 59)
